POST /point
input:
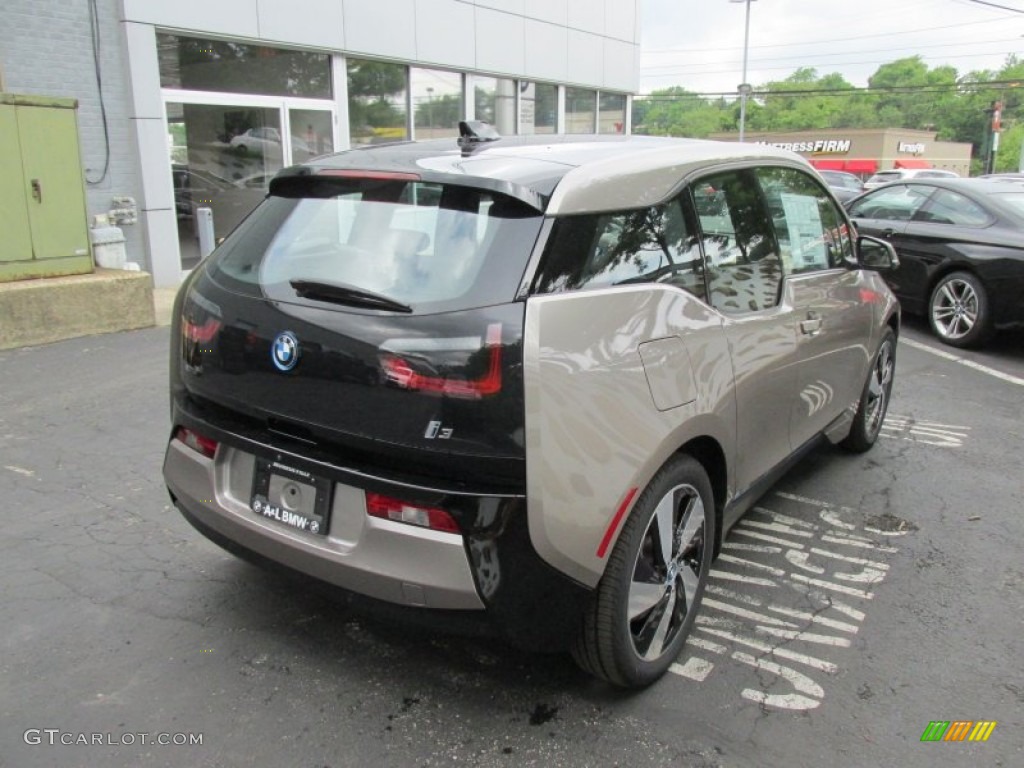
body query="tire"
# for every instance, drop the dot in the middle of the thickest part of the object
(633, 646)
(958, 310)
(874, 399)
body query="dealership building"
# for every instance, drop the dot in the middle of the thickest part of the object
(867, 150)
(187, 106)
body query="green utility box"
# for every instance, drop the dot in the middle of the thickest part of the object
(42, 189)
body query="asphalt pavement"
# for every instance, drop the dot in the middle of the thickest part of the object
(864, 598)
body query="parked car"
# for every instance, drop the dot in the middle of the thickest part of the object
(961, 249)
(267, 141)
(843, 185)
(900, 174)
(524, 382)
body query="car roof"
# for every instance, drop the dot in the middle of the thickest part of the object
(559, 174)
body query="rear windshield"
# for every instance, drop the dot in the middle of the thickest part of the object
(427, 247)
(1014, 200)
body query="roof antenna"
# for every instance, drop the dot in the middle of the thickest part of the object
(472, 132)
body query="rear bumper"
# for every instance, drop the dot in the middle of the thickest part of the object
(488, 579)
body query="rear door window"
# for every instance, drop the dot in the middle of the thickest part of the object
(430, 247)
(652, 245)
(896, 203)
(949, 207)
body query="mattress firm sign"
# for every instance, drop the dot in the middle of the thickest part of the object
(819, 146)
(912, 148)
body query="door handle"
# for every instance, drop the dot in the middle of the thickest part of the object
(812, 325)
(37, 190)
(888, 233)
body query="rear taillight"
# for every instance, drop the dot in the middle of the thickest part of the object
(400, 511)
(401, 371)
(201, 334)
(197, 442)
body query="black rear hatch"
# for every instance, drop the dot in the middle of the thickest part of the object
(368, 320)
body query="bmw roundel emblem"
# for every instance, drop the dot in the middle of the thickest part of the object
(285, 351)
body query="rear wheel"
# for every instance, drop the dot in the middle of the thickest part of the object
(874, 400)
(645, 606)
(958, 310)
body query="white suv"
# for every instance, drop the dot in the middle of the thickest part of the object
(900, 174)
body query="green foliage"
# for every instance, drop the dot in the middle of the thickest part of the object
(905, 93)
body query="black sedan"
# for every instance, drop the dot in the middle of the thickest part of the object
(961, 248)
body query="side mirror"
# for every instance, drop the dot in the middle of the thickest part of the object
(877, 254)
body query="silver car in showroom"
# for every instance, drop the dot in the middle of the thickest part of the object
(528, 383)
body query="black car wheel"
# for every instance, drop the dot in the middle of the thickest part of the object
(958, 310)
(645, 605)
(874, 400)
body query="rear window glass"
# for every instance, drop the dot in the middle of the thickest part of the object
(1014, 200)
(430, 247)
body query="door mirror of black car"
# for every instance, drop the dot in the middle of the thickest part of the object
(873, 253)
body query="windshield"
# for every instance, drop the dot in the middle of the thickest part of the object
(419, 246)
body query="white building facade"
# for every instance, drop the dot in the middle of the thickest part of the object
(223, 93)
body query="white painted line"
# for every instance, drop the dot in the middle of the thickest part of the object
(867, 576)
(762, 537)
(694, 668)
(776, 528)
(714, 589)
(782, 653)
(717, 574)
(751, 564)
(707, 645)
(833, 587)
(743, 613)
(785, 519)
(800, 682)
(813, 502)
(799, 559)
(807, 637)
(20, 470)
(815, 618)
(854, 560)
(831, 517)
(968, 363)
(857, 541)
(763, 548)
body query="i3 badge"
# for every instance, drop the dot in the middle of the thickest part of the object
(285, 351)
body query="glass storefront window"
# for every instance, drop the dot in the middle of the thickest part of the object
(189, 63)
(436, 102)
(377, 102)
(494, 100)
(580, 110)
(538, 107)
(222, 158)
(612, 113)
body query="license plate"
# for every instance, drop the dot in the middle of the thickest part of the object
(290, 496)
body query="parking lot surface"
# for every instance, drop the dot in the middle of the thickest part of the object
(864, 598)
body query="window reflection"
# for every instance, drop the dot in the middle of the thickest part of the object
(377, 102)
(436, 102)
(494, 101)
(612, 113)
(228, 67)
(580, 110)
(538, 107)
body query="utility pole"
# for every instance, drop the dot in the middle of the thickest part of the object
(744, 87)
(994, 128)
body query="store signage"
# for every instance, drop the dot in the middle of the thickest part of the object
(914, 149)
(819, 146)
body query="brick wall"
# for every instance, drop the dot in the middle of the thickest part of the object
(46, 49)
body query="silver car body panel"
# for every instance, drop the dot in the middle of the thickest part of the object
(383, 559)
(619, 379)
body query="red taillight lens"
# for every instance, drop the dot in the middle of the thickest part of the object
(198, 443)
(389, 508)
(202, 334)
(401, 373)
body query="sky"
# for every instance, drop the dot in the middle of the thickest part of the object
(698, 44)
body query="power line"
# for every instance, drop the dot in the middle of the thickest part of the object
(994, 5)
(999, 85)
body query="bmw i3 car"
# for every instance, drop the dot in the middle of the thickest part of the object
(528, 382)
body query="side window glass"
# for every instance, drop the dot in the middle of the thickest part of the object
(948, 207)
(811, 232)
(896, 203)
(646, 246)
(744, 267)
